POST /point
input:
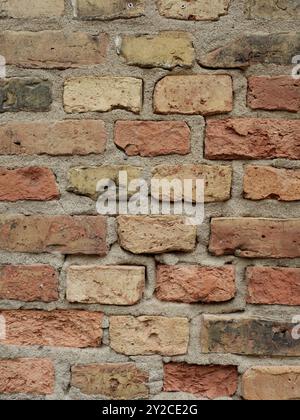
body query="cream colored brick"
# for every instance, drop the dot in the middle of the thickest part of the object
(109, 9)
(193, 9)
(31, 8)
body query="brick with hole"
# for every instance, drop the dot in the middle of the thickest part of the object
(193, 10)
(252, 138)
(27, 376)
(252, 336)
(121, 381)
(109, 9)
(29, 283)
(53, 234)
(278, 93)
(53, 49)
(153, 138)
(255, 237)
(273, 286)
(192, 284)
(53, 138)
(31, 183)
(58, 328)
(203, 381)
(148, 335)
(107, 285)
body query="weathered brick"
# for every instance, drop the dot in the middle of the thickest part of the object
(266, 182)
(271, 383)
(255, 238)
(256, 337)
(279, 93)
(192, 283)
(27, 94)
(156, 235)
(55, 328)
(107, 285)
(252, 138)
(102, 94)
(52, 49)
(217, 180)
(193, 10)
(202, 381)
(117, 381)
(62, 234)
(70, 137)
(109, 10)
(27, 376)
(273, 285)
(30, 183)
(148, 335)
(84, 181)
(28, 283)
(166, 50)
(203, 94)
(21, 9)
(272, 9)
(153, 138)
(270, 48)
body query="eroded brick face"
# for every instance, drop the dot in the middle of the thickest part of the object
(116, 290)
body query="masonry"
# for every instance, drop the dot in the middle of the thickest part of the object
(141, 307)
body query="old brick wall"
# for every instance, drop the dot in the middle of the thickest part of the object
(139, 307)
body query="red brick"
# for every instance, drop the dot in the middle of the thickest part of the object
(273, 286)
(255, 238)
(27, 376)
(192, 283)
(63, 234)
(70, 137)
(30, 183)
(153, 138)
(274, 93)
(28, 283)
(266, 182)
(252, 138)
(202, 381)
(54, 329)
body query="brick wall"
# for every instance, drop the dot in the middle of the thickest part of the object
(134, 306)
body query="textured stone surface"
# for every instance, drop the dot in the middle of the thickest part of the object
(252, 138)
(148, 335)
(203, 94)
(57, 234)
(202, 381)
(31, 8)
(193, 9)
(108, 285)
(156, 235)
(240, 335)
(273, 9)
(73, 137)
(109, 9)
(166, 50)
(28, 283)
(272, 383)
(117, 381)
(153, 138)
(52, 49)
(55, 329)
(27, 376)
(102, 94)
(267, 48)
(217, 181)
(192, 283)
(279, 93)
(30, 183)
(26, 94)
(273, 285)
(255, 238)
(261, 182)
(84, 181)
